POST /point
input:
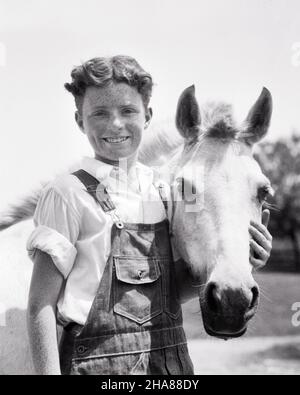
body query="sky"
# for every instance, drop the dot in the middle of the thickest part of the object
(228, 49)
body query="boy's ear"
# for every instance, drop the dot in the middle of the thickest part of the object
(148, 116)
(79, 120)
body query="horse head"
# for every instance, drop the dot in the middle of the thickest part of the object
(218, 187)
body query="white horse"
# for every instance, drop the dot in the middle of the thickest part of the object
(217, 188)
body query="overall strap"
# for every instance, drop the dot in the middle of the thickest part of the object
(96, 190)
(100, 194)
(164, 197)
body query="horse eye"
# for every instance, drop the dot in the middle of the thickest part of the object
(264, 193)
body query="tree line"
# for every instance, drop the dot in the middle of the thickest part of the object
(280, 161)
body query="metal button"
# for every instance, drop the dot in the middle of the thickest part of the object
(140, 274)
(120, 225)
(81, 349)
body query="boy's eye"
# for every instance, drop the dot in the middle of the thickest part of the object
(100, 113)
(128, 111)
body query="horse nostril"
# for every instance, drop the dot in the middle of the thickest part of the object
(213, 297)
(255, 297)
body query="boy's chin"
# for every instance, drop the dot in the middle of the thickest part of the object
(122, 157)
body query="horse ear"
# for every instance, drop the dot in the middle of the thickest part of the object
(188, 118)
(259, 118)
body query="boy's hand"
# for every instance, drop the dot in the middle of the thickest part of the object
(261, 242)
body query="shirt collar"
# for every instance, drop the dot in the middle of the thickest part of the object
(103, 171)
(96, 168)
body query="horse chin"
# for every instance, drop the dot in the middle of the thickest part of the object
(224, 326)
(225, 336)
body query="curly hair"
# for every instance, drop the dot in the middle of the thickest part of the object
(102, 71)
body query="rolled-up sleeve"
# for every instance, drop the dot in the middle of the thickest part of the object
(57, 230)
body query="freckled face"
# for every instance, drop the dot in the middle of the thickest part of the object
(113, 118)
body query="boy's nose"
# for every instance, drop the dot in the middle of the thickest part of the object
(116, 124)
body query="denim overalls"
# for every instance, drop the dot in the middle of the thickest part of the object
(135, 322)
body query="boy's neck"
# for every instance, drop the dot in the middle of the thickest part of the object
(125, 164)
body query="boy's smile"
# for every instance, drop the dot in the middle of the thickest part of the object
(113, 118)
(116, 140)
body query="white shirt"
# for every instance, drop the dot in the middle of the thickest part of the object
(74, 230)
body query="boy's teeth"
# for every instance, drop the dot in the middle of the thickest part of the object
(117, 140)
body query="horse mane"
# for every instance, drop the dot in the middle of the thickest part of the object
(159, 144)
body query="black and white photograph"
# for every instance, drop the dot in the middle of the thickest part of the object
(149, 190)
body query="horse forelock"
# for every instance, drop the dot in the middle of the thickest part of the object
(218, 121)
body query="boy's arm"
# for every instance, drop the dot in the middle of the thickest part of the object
(45, 288)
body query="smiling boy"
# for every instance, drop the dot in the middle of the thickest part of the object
(114, 118)
(103, 261)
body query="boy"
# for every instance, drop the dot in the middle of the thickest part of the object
(103, 261)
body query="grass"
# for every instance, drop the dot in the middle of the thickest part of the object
(274, 317)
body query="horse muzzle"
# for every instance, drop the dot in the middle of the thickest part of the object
(226, 311)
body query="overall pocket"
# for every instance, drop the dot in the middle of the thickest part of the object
(131, 364)
(137, 288)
